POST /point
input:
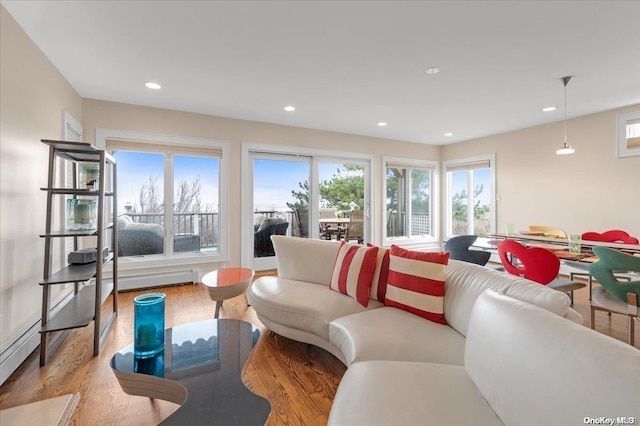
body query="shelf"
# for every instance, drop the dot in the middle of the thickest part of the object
(75, 273)
(79, 312)
(67, 233)
(77, 151)
(85, 306)
(79, 191)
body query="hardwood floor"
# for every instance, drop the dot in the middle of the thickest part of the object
(299, 380)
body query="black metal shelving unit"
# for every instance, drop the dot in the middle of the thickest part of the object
(87, 301)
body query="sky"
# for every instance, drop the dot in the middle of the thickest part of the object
(480, 176)
(274, 179)
(135, 168)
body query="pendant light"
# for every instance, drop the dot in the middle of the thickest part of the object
(565, 149)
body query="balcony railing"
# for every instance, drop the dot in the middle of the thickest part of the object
(205, 224)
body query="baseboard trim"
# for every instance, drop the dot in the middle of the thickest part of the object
(19, 350)
(134, 282)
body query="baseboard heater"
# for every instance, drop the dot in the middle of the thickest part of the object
(134, 282)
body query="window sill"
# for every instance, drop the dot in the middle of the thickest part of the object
(155, 261)
(426, 244)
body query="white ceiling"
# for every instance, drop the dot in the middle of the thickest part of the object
(346, 66)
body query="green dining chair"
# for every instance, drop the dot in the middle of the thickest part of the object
(613, 295)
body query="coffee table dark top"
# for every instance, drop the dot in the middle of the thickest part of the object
(199, 369)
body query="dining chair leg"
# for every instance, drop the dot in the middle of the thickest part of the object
(593, 318)
(631, 331)
(590, 279)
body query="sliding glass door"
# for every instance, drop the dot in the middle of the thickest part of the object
(305, 196)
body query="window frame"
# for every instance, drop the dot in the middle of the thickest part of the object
(434, 202)
(182, 143)
(446, 205)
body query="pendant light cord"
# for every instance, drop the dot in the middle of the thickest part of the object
(565, 112)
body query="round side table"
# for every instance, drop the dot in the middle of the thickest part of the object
(226, 283)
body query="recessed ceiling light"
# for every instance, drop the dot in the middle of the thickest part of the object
(549, 108)
(289, 108)
(382, 124)
(432, 70)
(448, 134)
(152, 85)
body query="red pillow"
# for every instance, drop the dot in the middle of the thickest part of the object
(353, 271)
(416, 282)
(380, 274)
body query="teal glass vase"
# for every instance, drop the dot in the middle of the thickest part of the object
(148, 325)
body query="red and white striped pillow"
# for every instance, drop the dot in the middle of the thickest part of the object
(380, 274)
(416, 282)
(353, 271)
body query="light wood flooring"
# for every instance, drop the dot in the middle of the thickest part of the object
(299, 380)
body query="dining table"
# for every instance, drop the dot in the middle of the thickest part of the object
(330, 226)
(559, 246)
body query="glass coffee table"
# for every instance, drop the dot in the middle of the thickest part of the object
(200, 370)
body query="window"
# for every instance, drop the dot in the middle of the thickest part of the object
(469, 195)
(170, 194)
(410, 200)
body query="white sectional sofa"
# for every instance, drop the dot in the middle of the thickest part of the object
(512, 351)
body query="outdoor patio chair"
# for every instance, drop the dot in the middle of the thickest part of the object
(355, 228)
(262, 245)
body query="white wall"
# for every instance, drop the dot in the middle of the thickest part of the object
(34, 95)
(591, 190)
(111, 115)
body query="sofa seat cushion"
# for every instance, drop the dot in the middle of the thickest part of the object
(393, 334)
(301, 305)
(409, 393)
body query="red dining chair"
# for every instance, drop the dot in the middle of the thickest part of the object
(610, 236)
(536, 264)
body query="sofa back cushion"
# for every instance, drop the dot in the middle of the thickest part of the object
(466, 281)
(302, 259)
(534, 367)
